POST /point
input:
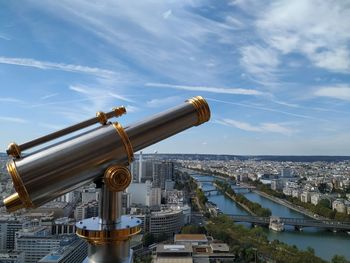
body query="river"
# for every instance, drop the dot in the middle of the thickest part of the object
(325, 243)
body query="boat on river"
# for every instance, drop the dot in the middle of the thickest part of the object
(276, 224)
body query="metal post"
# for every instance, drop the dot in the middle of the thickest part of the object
(108, 235)
(110, 210)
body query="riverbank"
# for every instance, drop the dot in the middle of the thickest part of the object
(325, 243)
(233, 198)
(287, 204)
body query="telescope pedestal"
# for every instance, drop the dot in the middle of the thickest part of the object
(120, 253)
(108, 235)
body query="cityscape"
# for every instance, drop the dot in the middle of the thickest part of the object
(180, 200)
(189, 131)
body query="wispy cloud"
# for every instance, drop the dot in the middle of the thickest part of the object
(51, 126)
(260, 62)
(283, 103)
(131, 109)
(92, 93)
(154, 103)
(151, 35)
(262, 127)
(5, 37)
(246, 105)
(49, 96)
(119, 97)
(233, 91)
(167, 14)
(13, 119)
(340, 92)
(9, 100)
(234, 22)
(95, 100)
(44, 65)
(64, 102)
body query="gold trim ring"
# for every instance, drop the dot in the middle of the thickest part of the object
(107, 237)
(202, 108)
(102, 117)
(97, 235)
(125, 138)
(18, 184)
(117, 178)
(119, 111)
(14, 150)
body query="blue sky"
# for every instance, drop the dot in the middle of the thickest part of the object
(275, 73)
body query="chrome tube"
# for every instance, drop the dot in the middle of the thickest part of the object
(110, 206)
(53, 171)
(111, 253)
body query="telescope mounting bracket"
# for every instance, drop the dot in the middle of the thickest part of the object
(108, 235)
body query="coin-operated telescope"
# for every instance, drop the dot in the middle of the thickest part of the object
(100, 155)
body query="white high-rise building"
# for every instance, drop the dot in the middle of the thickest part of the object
(71, 250)
(89, 195)
(11, 256)
(36, 243)
(140, 167)
(162, 171)
(86, 210)
(155, 197)
(139, 193)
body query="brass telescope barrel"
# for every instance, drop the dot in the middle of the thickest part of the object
(58, 169)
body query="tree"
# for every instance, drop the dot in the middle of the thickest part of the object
(339, 259)
(193, 229)
(162, 237)
(148, 239)
(325, 203)
(310, 250)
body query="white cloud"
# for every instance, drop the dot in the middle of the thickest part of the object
(13, 119)
(341, 92)
(252, 106)
(5, 37)
(263, 127)
(260, 62)
(119, 97)
(138, 31)
(333, 60)
(318, 29)
(9, 100)
(98, 98)
(236, 91)
(131, 109)
(51, 126)
(154, 103)
(234, 22)
(276, 128)
(27, 62)
(49, 96)
(240, 125)
(167, 14)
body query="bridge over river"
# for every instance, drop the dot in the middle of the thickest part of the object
(298, 223)
(217, 191)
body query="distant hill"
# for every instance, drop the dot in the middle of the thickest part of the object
(280, 158)
(223, 157)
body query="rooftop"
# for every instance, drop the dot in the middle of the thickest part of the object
(190, 237)
(171, 249)
(219, 247)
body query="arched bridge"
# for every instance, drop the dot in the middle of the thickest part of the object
(296, 222)
(213, 191)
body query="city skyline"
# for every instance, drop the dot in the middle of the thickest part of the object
(275, 74)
